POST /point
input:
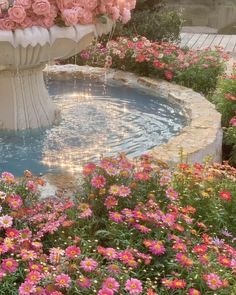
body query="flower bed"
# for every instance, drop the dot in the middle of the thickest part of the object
(133, 229)
(45, 13)
(225, 100)
(194, 69)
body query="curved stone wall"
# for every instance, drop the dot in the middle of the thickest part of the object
(199, 140)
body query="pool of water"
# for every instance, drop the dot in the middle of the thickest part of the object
(96, 120)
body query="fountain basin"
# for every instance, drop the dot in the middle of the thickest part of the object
(24, 102)
(200, 140)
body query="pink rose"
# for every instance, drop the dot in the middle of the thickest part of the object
(115, 13)
(25, 3)
(89, 4)
(65, 4)
(41, 7)
(85, 17)
(70, 17)
(126, 16)
(17, 13)
(7, 24)
(27, 23)
(48, 22)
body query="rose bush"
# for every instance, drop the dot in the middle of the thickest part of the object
(134, 228)
(27, 13)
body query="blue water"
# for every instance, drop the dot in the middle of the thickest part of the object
(96, 120)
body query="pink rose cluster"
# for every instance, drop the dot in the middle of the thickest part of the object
(46, 13)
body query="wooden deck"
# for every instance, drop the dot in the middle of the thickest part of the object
(202, 41)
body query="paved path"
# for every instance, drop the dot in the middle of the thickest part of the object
(202, 41)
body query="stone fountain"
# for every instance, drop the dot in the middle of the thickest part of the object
(24, 100)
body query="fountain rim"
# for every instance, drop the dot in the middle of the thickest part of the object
(201, 139)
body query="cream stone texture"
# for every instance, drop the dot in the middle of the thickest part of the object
(24, 100)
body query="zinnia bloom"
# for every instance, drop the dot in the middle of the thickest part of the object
(63, 280)
(225, 195)
(112, 284)
(72, 251)
(88, 264)
(133, 286)
(157, 248)
(84, 282)
(213, 281)
(26, 288)
(9, 264)
(98, 181)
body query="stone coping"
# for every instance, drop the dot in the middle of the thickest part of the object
(201, 139)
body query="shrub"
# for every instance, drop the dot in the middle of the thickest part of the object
(225, 100)
(195, 69)
(155, 25)
(134, 229)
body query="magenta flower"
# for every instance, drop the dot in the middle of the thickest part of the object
(72, 252)
(213, 281)
(133, 286)
(124, 191)
(111, 284)
(105, 292)
(84, 282)
(116, 217)
(14, 201)
(98, 181)
(88, 264)
(27, 288)
(157, 248)
(63, 280)
(9, 264)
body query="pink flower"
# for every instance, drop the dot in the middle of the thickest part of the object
(89, 169)
(233, 121)
(133, 286)
(110, 202)
(171, 194)
(98, 181)
(9, 264)
(157, 248)
(31, 186)
(114, 268)
(111, 284)
(63, 281)
(14, 201)
(105, 292)
(124, 191)
(88, 264)
(193, 291)
(169, 75)
(41, 7)
(225, 195)
(126, 16)
(17, 13)
(12, 233)
(26, 288)
(84, 282)
(7, 177)
(72, 251)
(116, 217)
(70, 17)
(6, 221)
(25, 3)
(213, 281)
(33, 277)
(85, 16)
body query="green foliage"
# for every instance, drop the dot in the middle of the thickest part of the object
(155, 25)
(225, 100)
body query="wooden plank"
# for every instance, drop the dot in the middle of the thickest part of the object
(200, 41)
(224, 42)
(193, 40)
(186, 38)
(216, 41)
(231, 44)
(208, 41)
